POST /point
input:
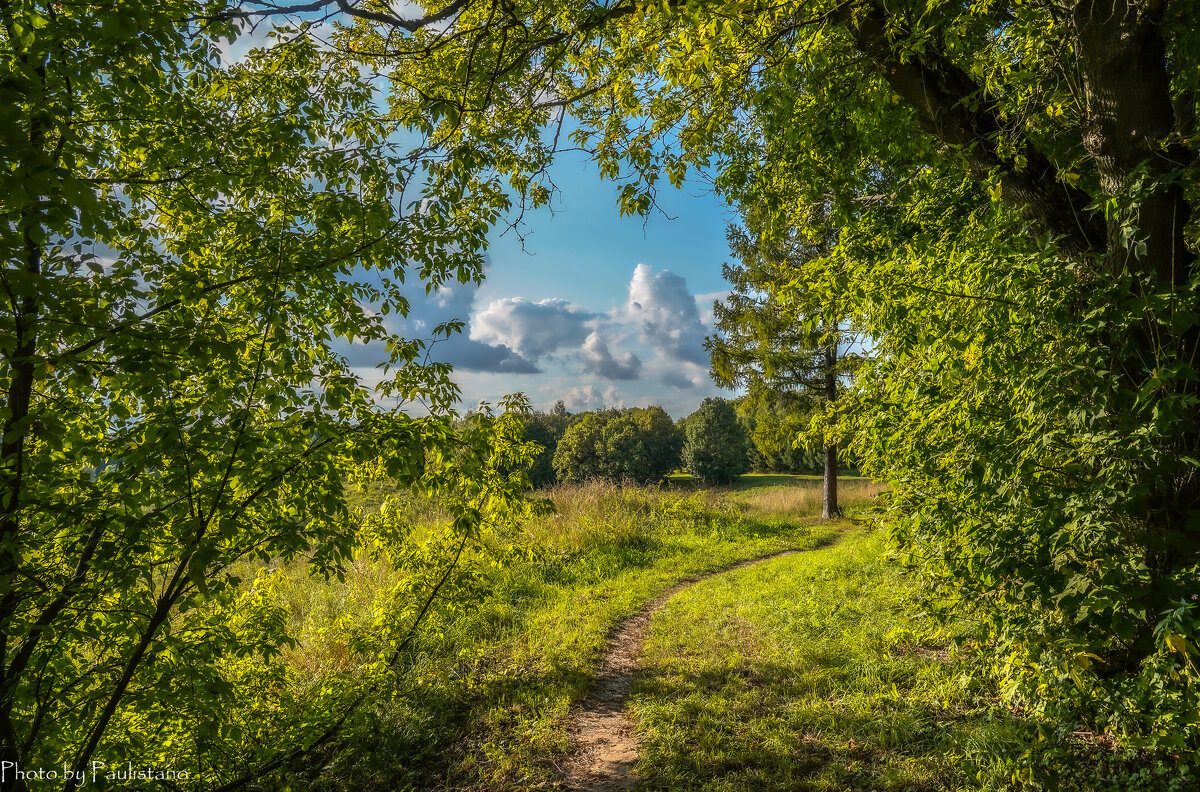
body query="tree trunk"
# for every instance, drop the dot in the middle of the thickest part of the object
(18, 400)
(1131, 118)
(829, 501)
(1129, 123)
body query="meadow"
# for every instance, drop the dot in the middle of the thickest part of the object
(819, 670)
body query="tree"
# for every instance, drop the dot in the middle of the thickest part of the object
(190, 247)
(1016, 183)
(715, 448)
(774, 333)
(546, 429)
(774, 421)
(639, 445)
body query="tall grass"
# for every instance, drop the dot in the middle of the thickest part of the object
(805, 501)
(482, 695)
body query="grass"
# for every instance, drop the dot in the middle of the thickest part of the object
(485, 698)
(819, 672)
(815, 671)
(793, 496)
(809, 672)
(797, 502)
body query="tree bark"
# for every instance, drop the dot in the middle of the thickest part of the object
(957, 110)
(829, 500)
(19, 398)
(1128, 127)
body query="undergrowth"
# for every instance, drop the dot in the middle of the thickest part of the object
(482, 695)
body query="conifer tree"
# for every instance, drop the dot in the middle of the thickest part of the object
(774, 334)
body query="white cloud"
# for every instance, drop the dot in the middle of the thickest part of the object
(666, 315)
(455, 301)
(704, 304)
(532, 329)
(425, 311)
(598, 360)
(589, 397)
(646, 350)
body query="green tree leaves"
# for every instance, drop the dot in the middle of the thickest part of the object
(639, 445)
(1024, 261)
(190, 248)
(716, 446)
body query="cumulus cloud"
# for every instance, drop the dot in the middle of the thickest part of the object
(532, 329)
(589, 397)
(425, 311)
(470, 355)
(598, 360)
(455, 301)
(704, 304)
(666, 315)
(647, 349)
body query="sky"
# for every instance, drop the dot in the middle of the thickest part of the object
(585, 306)
(592, 308)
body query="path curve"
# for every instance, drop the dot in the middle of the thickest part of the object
(604, 737)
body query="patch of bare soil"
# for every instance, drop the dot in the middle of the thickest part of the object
(604, 736)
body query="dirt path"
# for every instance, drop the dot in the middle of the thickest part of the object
(606, 744)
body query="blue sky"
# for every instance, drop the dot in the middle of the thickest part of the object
(596, 309)
(593, 308)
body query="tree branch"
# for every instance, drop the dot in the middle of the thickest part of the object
(267, 9)
(952, 107)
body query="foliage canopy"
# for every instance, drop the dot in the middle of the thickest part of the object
(715, 444)
(639, 445)
(546, 429)
(1014, 185)
(775, 423)
(191, 246)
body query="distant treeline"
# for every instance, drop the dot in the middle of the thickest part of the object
(716, 443)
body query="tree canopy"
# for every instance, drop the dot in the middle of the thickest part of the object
(187, 242)
(546, 429)
(715, 444)
(772, 330)
(775, 333)
(637, 445)
(776, 422)
(1012, 186)
(192, 246)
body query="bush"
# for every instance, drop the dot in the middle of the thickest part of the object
(716, 447)
(638, 445)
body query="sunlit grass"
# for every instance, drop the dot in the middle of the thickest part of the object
(484, 697)
(803, 499)
(814, 672)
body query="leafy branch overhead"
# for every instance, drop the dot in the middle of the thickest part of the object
(1008, 190)
(192, 249)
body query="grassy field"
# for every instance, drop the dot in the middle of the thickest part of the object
(787, 496)
(821, 671)
(815, 671)
(485, 697)
(810, 672)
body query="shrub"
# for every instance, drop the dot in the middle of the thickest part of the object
(716, 447)
(638, 445)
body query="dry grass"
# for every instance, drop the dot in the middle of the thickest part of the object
(599, 513)
(803, 498)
